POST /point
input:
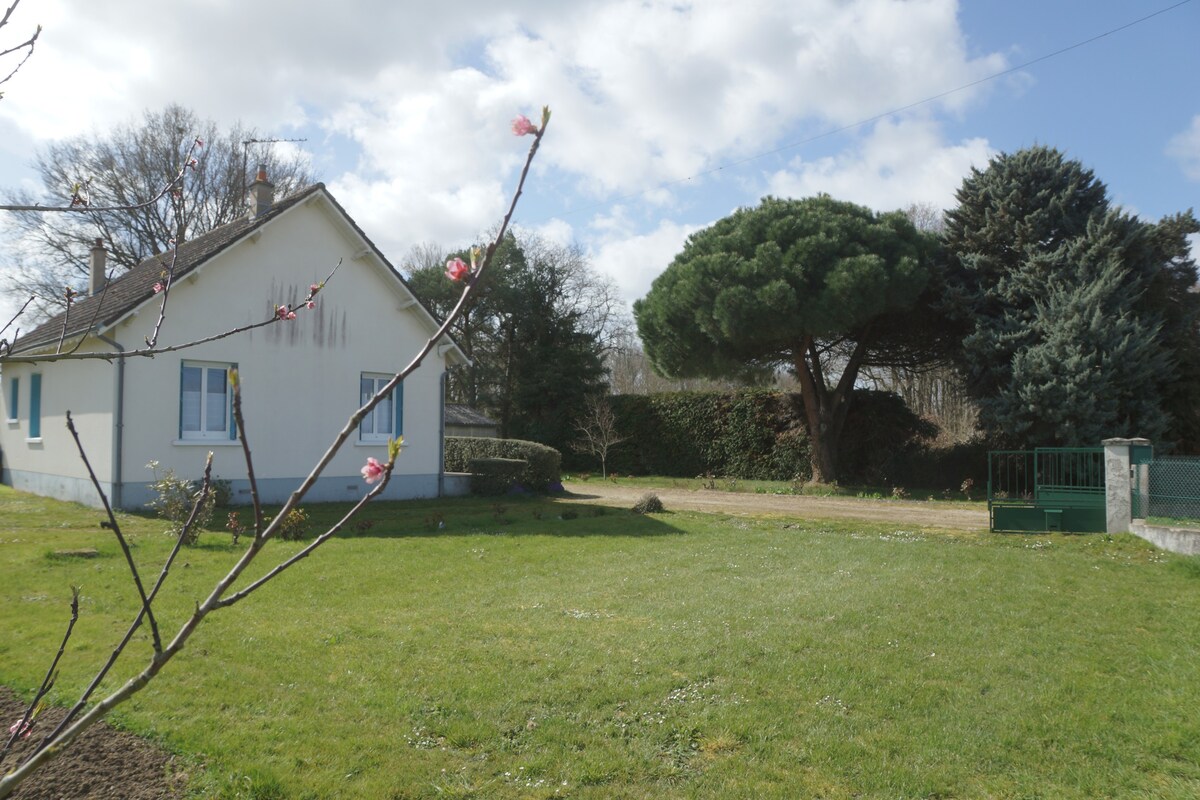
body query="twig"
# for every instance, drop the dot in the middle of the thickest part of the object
(115, 527)
(236, 386)
(30, 43)
(320, 540)
(80, 204)
(152, 339)
(81, 703)
(150, 352)
(22, 727)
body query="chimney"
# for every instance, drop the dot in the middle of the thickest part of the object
(97, 264)
(262, 193)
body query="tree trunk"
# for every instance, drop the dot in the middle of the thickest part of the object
(825, 409)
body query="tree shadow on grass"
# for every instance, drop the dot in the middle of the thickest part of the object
(519, 515)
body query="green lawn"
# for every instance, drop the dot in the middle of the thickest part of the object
(514, 654)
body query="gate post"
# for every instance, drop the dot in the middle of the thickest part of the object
(1118, 483)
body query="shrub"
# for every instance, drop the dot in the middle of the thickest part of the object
(543, 464)
(174, 499)
(294, 527)
(649, 504)
(491, 476)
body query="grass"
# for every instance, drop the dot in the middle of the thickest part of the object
(1175, 522)
(472, 649)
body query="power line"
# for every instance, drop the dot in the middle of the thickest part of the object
(883, 115)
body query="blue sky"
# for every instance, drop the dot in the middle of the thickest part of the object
(668, 115)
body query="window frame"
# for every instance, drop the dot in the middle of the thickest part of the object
(396, 401)
(203, 434)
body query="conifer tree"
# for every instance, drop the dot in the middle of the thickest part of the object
(818, 285)
(1078, 313)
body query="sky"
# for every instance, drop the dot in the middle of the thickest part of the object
(667, 115)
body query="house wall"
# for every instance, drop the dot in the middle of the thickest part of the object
(299, 379)
(51, 464)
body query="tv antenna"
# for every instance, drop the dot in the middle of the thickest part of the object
(246, 154)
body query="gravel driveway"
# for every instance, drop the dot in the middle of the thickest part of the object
(902, 512)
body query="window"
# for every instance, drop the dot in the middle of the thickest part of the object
(14, 398)
(205, 401)
(35, 406)
(386, 420)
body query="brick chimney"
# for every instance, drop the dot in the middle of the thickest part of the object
(262, 193)
(96, 266)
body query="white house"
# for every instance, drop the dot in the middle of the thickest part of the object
(300, 379)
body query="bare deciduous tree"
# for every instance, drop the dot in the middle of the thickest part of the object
(112, 172)
(597, 428)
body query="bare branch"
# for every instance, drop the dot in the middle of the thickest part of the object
(81, 204)
(28, 45)
(25, 724)
(115, 527)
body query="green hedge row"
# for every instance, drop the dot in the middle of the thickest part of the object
(544, 464)
(759, 434)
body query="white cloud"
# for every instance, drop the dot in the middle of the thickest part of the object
(1185, 148)
(898, 164)
(644, 93)
(633, 261)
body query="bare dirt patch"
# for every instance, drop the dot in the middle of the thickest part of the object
(103, 764)
(901, 512)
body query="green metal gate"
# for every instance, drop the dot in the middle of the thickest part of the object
(1047, 489)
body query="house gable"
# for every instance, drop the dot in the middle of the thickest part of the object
(300, 379)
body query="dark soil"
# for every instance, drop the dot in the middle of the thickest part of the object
(102, 764)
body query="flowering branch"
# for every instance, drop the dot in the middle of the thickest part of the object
(163, 286)
(374, 473)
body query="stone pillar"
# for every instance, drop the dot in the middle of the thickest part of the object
(1118, 483)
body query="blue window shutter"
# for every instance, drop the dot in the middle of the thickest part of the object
(35, 406)
(14, 398)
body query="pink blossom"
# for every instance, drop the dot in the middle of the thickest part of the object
(26, 728)
(158, 287)
(199, 142)
(372, 472)
(283, 312)
(310, 305)
(314, 288)
(456, 269)
(522, 126)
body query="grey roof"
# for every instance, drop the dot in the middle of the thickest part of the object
(465, 415)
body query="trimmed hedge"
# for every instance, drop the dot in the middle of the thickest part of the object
(760, 434)
(495, 475)
(543, 468)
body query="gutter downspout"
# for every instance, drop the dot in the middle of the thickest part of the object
(118, 426)
(442, 437)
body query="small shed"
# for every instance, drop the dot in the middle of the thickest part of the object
(463, 420)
